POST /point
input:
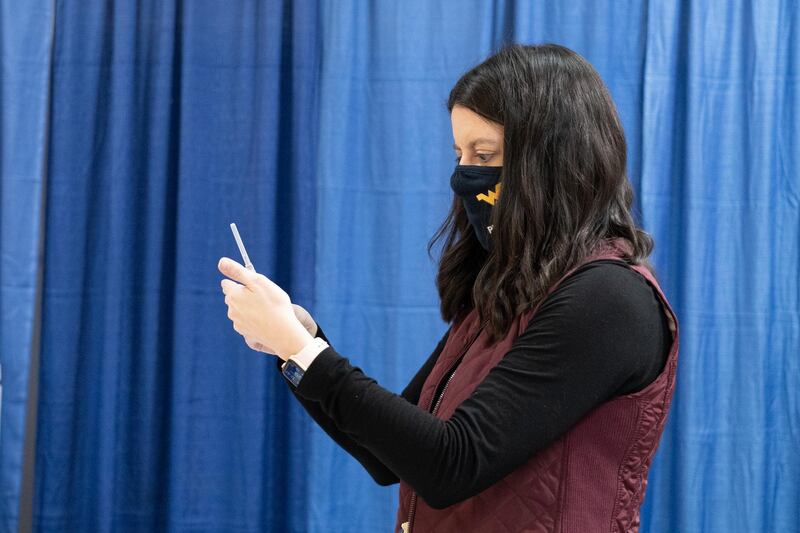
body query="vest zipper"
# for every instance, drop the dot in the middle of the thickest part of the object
(413, 504)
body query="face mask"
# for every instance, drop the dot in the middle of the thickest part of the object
(478, 187)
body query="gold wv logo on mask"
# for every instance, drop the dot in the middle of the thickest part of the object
(491, 197)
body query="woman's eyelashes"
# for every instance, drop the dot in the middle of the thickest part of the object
(483, 158)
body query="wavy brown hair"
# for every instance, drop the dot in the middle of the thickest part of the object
(565, 187)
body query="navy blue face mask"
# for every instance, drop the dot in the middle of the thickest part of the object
(478, 187)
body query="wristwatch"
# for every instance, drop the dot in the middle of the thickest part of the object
(295, 367)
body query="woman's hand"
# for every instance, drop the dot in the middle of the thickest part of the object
(302, 315)
(261, 311)
(305, 318)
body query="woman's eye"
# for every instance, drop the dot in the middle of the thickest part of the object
(483, 158)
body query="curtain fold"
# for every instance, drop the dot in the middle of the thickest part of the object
(26, 46)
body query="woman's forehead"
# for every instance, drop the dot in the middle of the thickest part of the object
(469, 128)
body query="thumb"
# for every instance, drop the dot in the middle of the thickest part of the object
(305, 318)
(237, 271)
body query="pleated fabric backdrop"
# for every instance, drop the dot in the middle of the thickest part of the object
(133, 133)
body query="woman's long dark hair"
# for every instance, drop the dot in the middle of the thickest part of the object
(565, 187)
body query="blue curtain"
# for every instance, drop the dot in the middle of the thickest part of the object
(320, 129)
(26, 44)
(168, 122)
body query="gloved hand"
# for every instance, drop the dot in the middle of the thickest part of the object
(262, 311)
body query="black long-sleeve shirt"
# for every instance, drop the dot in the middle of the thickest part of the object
(600, 334)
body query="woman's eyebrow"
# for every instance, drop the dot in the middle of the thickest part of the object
(478, 140)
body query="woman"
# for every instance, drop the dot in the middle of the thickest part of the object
(544, 402)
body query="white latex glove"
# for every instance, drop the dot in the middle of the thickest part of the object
(261, 310)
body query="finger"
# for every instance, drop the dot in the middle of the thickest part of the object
(305, 318)
(264, 348)
(253, 344)
(228, 286)
(237, 271)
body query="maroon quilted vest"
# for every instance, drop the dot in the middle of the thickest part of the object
(591, 479)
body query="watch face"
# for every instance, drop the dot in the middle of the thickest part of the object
(293, 372)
